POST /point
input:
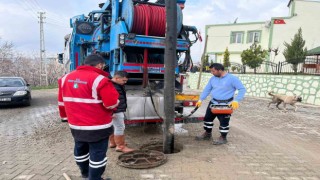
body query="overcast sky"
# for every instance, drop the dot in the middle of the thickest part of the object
(20, 23)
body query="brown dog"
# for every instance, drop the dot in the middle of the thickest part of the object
(285, 99)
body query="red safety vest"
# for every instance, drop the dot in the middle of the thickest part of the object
(87, 97)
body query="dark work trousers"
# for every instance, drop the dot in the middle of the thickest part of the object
(223, 118)
(91, 158)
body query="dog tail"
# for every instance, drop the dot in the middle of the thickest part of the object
(270, 93)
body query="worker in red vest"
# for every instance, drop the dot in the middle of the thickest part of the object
(89, 99)
(62, 110)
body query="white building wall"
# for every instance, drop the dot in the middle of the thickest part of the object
(233, 58)
(219, 37)
(305, 13)
(306, 16)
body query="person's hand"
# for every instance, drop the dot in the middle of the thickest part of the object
(234, 105)
(198, 104)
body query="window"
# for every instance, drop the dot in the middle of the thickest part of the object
(254, 36)
(11, 82)
(236, 37)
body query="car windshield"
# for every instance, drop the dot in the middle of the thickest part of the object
(11, 82)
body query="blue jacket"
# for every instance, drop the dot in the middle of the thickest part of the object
(223, 88)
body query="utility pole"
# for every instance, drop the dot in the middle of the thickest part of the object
(202, 61)
(43, 60)
(170, 58)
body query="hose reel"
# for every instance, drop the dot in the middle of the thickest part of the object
(147, 19)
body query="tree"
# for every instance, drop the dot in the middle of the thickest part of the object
(211, 61)
(6, 49)
(233, 68)
(295, 52)
(226, 59)
(55, 71)
(6, 54)
(14, 63)
(254, 56)
(205, 63)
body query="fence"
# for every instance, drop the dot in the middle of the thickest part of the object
(268, 68)
(310, 66)
(237, 68)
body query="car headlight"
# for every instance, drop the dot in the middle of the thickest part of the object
(20, 93)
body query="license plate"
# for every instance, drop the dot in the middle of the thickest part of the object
(5, 99)
(154, 69)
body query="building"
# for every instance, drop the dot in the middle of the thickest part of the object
(270, 34)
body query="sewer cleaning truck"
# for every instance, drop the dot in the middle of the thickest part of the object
(130, 36)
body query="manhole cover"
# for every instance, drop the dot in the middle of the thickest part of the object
(142, 159)
(158, 146)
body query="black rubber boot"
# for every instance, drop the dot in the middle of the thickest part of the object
(221, 140)
(204, 136)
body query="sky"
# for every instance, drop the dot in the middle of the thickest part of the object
(20, 19)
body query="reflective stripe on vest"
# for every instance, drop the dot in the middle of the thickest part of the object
(64, 79)
(104, 126)
(81, 100)
(113, 106)
(95, 86)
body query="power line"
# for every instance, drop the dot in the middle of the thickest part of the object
(57, 17)
(57, 25)
(36, 4)
(30, 6)
(28, 10)
(57, 21)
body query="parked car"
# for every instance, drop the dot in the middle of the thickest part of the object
(14, 90)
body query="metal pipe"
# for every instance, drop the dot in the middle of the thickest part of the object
(102, 23)
(169, 76)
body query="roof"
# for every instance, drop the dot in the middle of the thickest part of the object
(314, 51)
(289, 3)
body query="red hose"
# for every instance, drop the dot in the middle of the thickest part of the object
(149, 20)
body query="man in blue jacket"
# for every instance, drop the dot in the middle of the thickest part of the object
(222, 87)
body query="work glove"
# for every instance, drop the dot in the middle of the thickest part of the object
(198, 104)
(234, 105)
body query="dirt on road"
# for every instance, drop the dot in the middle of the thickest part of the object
(264, 143)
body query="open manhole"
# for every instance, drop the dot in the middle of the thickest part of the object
(158, 146)
(142, 159)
